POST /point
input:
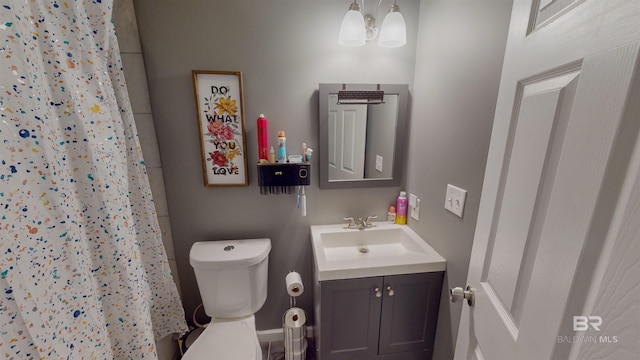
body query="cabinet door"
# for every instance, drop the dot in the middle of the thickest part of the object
(409, 313)
(350, 318)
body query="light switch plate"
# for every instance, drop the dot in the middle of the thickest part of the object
(379, 163)
(455, 199)
(414, 204)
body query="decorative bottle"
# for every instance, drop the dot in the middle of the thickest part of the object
(282, 147)
(401, 208)
(263, 138)
(391, 215)
(272, 155)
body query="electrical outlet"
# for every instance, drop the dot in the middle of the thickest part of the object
(455, 199)
(414, 204)
(379, 163)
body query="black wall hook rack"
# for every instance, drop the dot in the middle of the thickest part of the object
(283, 178)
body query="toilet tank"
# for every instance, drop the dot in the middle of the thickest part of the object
(231, 275)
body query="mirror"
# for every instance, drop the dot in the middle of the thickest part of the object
(362, 133)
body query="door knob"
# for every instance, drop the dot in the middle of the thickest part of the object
(390, 291)
(457, 294)
(378, 292)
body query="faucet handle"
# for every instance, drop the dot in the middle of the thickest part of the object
(367, 221)
(351, 222)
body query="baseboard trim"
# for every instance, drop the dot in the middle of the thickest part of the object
(270, 335)
(278, 334)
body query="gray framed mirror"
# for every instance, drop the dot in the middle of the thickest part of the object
(362, 134)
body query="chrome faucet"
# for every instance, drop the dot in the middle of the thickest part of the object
(361, 224)
(367, 222)
(351, 223)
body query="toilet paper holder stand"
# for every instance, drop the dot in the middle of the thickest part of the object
(295, 287)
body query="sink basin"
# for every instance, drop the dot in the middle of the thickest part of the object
(385, 249)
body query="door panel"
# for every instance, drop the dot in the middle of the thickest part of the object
(347, 139)
(535, 142)
(554, 156)
(582, 172)
(538, 113)
(333, 132)
(349, 148)
(547, 11)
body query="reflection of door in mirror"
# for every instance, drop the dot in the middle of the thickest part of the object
(347, 139)
(361, 137)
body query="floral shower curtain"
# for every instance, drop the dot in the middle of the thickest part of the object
(83, 272)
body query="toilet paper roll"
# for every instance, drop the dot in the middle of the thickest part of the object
(295, 318)
(296, 350)
(294, 284)
(295, 342)
(295, 353)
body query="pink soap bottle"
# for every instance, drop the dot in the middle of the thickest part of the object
(263, 139)
(401, 208)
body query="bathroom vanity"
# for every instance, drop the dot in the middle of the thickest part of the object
(376, 292)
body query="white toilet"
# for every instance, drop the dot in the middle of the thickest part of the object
(232, 278)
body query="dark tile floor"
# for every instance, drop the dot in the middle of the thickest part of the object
(274, 350)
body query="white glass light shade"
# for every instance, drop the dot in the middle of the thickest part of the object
(393, 32)
(352, 31)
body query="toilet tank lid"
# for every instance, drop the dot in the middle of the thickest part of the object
(228, 253)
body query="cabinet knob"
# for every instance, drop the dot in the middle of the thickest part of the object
(378, 292)
(390, 291)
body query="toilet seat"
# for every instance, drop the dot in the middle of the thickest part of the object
(228, 340)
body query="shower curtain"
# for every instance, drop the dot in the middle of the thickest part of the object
(83, 272)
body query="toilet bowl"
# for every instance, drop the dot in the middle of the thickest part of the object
(228, 340)
(232, 280)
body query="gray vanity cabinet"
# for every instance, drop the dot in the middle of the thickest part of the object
(387, 317)
(350, 318)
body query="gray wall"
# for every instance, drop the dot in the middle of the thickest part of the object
(284, 50)
(124, 19)
(459, 58)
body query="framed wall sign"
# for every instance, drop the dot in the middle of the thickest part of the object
(220, 109)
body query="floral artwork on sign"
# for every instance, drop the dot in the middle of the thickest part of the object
(221, 123)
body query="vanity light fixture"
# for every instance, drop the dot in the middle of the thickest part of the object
(393, 32)
(357, 29)
(353, 31)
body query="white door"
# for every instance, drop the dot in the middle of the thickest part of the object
(347, 139)
(556, 244)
